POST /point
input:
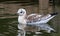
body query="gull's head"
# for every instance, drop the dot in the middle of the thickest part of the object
(21, 12)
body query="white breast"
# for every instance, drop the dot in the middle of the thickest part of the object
(21, 20)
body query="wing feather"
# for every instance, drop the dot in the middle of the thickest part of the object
(33, 17)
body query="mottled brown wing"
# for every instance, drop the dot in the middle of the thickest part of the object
(33, 18)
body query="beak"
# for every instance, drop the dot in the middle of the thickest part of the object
(17, 13)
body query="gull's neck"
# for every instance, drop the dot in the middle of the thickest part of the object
(22, 19)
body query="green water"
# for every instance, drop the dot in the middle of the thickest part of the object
(8, 27)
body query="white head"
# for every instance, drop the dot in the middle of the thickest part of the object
(21, 12)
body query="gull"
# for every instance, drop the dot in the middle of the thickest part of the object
(34, 20)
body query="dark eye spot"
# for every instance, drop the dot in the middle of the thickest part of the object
(20, 12)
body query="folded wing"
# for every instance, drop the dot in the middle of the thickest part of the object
(34, 18)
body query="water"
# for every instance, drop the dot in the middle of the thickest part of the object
(8, 27)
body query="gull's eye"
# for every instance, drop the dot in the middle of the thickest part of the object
(20, 12)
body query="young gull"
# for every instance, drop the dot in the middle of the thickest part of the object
(34, 20)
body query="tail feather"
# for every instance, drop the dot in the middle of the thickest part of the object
(55, 13)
